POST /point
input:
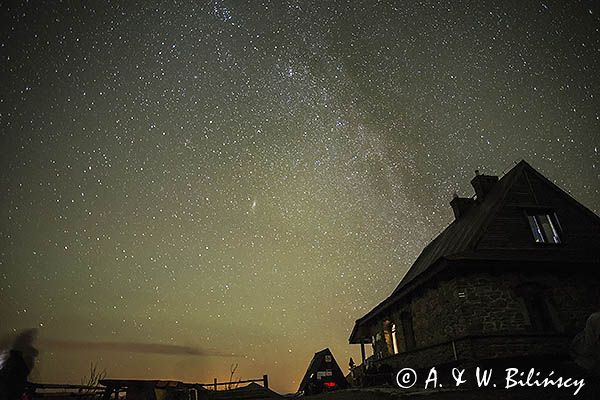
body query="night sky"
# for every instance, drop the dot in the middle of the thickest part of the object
(190, 186)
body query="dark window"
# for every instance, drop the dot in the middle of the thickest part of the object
(539, 316)
(377, 346)
(537, 307)
(407, 328)
(544, 226)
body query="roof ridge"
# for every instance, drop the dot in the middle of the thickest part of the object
(567, 195)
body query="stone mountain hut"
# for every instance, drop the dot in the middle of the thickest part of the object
(515, 274)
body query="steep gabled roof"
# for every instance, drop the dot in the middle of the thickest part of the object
(460, 239)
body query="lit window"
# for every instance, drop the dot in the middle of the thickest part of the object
(394, 339)
(544, 227)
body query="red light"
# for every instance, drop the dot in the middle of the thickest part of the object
(329, 384)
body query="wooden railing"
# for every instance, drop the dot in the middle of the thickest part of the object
(111, 388)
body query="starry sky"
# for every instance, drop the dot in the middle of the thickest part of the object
(193, 185)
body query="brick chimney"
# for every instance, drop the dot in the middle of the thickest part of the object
(460, 205)
(483, 184)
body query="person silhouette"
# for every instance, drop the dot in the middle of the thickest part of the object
(17, 365)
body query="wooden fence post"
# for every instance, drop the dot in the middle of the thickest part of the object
(215, 383)
(266, 381)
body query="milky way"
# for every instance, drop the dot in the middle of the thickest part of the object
(245, 179)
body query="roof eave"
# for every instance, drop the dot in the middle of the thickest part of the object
(395, 297)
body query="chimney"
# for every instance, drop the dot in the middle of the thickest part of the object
(460, 205)
(483, 184)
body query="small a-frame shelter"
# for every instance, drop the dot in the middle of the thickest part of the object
(323, 374)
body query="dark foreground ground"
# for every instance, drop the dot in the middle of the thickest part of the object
(479, 394)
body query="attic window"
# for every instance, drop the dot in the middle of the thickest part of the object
(544, 226)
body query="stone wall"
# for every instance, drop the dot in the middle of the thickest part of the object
(437, 315)
(492, 304)
(487, 304)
